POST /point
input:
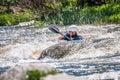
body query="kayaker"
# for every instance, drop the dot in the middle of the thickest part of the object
(71, 34)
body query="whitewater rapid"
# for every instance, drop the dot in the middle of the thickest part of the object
(100, 52)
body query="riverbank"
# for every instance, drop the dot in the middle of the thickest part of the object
(103, 14)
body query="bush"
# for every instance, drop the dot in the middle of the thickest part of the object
(107, 13)
(6, 20)
(13, 19)
(114, 18)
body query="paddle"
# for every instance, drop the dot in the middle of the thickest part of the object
(56, 30)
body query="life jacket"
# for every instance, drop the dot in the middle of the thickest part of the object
(75, 37)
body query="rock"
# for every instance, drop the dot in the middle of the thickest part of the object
(19, 72)
(26, 23)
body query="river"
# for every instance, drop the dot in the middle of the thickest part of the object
(101, 53)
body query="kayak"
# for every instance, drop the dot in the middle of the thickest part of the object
(58, 50)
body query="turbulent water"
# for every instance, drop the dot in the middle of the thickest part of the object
(99, 53)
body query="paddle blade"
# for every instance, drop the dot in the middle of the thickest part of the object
(54, 29)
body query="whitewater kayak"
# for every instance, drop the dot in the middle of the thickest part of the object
(58, 50)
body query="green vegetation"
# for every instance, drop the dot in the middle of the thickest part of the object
(37, 75)
(13, 19)
(60, 12)
(107, 13)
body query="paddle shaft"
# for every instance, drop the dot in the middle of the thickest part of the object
(56, 30)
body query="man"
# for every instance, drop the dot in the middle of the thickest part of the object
(71, 34)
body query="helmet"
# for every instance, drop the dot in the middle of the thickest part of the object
(72, 28)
